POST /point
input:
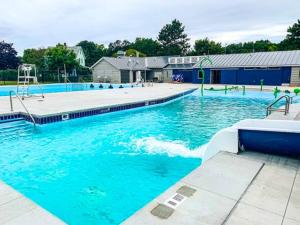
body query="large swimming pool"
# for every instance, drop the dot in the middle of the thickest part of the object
(54, 88)
(101, 169)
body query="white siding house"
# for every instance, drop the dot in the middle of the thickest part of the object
(80, 57)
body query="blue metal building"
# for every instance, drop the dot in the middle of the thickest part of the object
(274, 68)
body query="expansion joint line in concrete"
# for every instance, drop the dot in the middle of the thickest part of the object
(242, 195)
(287, 204)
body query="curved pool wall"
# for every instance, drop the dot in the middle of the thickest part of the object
(270, 136)
(101, 169)
(55, 88)
(279, 137)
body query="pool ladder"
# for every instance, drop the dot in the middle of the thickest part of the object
(20, 100)
(286, 109)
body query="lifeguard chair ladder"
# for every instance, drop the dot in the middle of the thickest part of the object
(24, 79)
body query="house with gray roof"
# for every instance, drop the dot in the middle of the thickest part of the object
(130, 69)
(271, 68)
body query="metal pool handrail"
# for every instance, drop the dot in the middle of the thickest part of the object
(286, 107)
(292, 98)
(20, 100)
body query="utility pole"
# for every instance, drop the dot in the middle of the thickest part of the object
(65, 73)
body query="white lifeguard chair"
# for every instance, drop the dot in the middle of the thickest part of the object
(25, 76)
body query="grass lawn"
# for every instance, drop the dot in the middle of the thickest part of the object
(15, 83)
(8, 82)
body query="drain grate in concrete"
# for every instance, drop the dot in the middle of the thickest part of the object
(162, 211)
(186, 191)
(175, 200)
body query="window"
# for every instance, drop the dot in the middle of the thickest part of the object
(255, 68)
(273, 68)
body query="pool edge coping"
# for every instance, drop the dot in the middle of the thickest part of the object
(75, 114)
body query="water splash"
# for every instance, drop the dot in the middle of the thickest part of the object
(152, 146)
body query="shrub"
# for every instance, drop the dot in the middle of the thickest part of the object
(8, 75)
(297, 91)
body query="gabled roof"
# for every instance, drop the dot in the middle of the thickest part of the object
(76, 49)
(156, 62)
(257, 59)
(135, 63)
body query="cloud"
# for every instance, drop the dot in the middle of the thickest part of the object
(36, 23)
(274, 33)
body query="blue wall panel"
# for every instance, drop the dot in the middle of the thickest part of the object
(229, 76)
(187, 75)
(196, 79)
(281, 143)
(275, 76)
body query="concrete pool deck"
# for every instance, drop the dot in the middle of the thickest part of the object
(56, 103)
(245, 189)
(15, 209)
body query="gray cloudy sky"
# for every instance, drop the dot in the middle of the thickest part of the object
(42, 23)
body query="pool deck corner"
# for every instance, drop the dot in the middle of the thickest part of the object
(15, 209)
(245, 189)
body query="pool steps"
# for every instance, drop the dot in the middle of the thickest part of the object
(11, 130)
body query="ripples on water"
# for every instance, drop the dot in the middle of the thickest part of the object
(101, 169)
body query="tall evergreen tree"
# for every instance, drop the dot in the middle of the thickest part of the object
(292, 40)
(173, 39)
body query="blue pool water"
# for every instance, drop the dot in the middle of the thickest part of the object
(101, 169)
(53, 88)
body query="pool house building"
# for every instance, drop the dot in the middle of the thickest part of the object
(274, 68)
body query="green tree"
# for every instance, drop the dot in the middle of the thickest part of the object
(173, 39)
(292, 40)
(92, 51)
(205, 46)
(118, 45)
(234, 48)
(264, 46)
(133, 52)
(34, 56)
(8, 56)
(148, 46)
(247, 47)
(59, 57)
